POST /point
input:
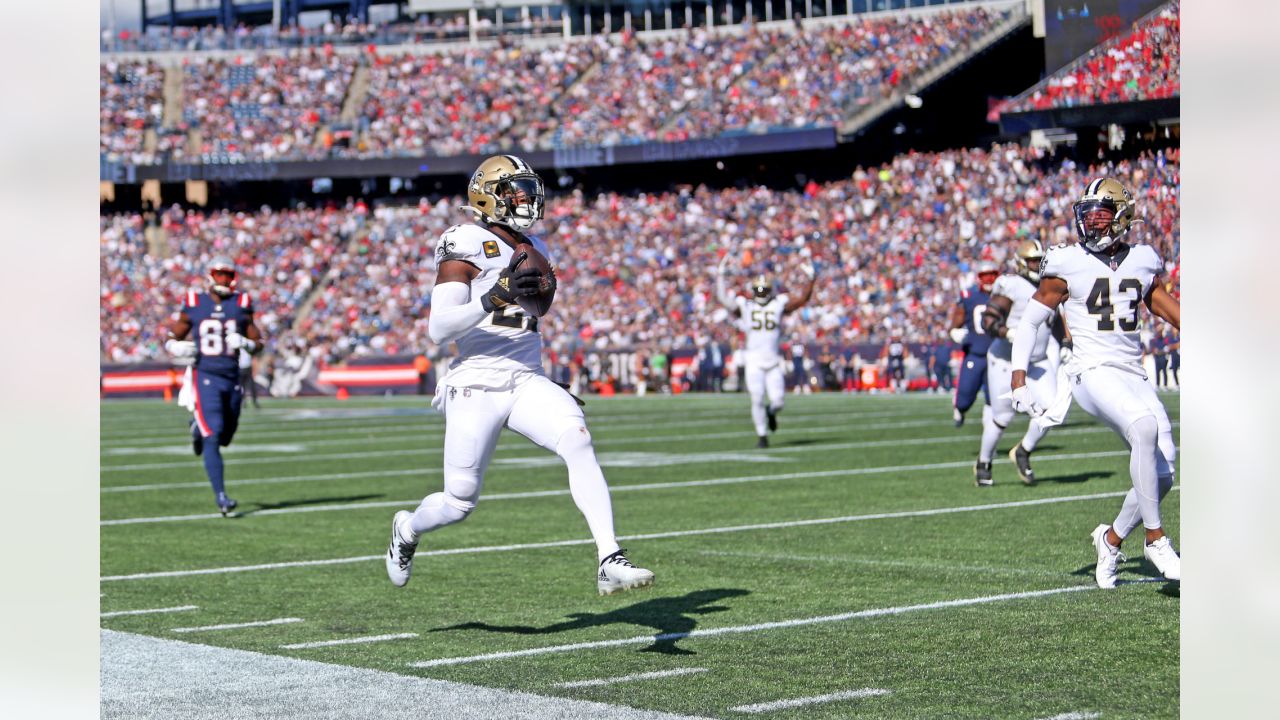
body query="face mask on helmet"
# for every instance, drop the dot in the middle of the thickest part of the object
(1103, 214)
(1028, 258)
(505, 191)
(222, 277)
(762, 289)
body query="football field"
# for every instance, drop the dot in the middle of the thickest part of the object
(851, 570)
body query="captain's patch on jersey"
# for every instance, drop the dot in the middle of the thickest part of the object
(491, 249)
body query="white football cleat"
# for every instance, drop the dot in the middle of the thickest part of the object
(400, 552)
(1162, 555)
(1108, 556)
(617, 574)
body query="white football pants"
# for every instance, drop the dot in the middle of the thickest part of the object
(762, 382)
(537, 409)
(1128, 404)
(1042, 384)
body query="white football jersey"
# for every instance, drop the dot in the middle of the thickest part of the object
(762, 325)
(1019, 290)
(1102, 304)
(489, 352)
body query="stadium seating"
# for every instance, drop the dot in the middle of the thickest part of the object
(1142, 64)
(353, 281)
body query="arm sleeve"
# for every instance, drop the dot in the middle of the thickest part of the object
(453, 312)
(723, 295)
(1024, 338)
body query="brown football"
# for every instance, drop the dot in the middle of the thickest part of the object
(539, 304)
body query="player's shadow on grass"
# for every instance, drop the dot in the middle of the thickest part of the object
(1075, 478)
(259, 507)
(670, 616)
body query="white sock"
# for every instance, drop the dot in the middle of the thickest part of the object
(991, 433)
(589, 490)
(759, 419)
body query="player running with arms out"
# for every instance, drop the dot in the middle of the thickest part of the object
(760, 318)
(966, 331)
(483, 286)
(223, 323)
(1009, 297)
(1100, 283)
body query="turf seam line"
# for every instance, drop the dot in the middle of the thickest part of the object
(765, 707)
(630, 678)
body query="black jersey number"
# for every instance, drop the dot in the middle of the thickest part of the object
(1099, 303)
(763, 320)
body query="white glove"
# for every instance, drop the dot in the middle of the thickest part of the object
(807, 269)
(180, 348)
(958, 335)
(1009, 333)
(1025, 402)
(236, 341)
(1065, 354)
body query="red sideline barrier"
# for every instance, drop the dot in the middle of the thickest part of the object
(369, 375)
(135, 382)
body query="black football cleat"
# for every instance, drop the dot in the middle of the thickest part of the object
(763, 442)
(982, 474)
(197, 442)
(773, 419)
(958, 417)
(1022, 461)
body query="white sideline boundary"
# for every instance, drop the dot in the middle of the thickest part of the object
(618, 488)
(147, 678)
(739, 629)
(599, 682)
(765, 707)
(648, 536)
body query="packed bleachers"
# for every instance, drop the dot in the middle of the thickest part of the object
(894, 244)
(130, 102)
(1143, 64)
(603, 90)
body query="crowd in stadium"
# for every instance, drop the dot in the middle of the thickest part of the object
(621, 89)
(894, 246)
(1141, 65)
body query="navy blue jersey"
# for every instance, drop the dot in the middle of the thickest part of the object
(212, 319)
(974, 301)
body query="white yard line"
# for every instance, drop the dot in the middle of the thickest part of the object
(649, 536)
(122, 613)
(737, 629)
(815, 700)
(410, 502)
(236, 626)
(1075, 716)
(630, 678)
(349, 641)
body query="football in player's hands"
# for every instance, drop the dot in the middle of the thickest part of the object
(538, 302)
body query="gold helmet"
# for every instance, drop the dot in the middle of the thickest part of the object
(762, 288)
(1028, 251)
(504, 190)
(1103, 194)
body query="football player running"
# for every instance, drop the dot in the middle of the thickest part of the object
(760, 318)
(966, 331)
(1100, 283)
(223, 323)
(497, 379)
(1009, 297)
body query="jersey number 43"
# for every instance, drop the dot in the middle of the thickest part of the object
(1099, 303)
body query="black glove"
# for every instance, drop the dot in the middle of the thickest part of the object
(512, 284)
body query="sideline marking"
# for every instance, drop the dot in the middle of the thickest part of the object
(617, 488)
(648, 536)
(630, 678)
(816, 699)
(736, 629)
(349, 641)
(121, 613)
(235, 626)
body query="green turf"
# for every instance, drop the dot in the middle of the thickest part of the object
(320, 480)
